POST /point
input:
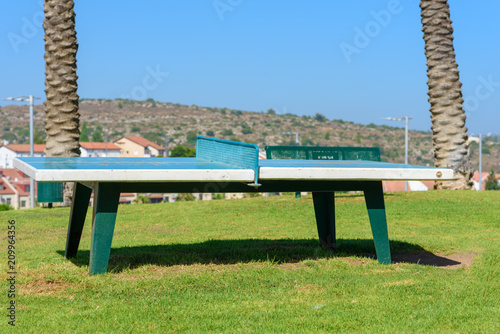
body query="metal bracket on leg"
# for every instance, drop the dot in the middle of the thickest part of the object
(324, 208)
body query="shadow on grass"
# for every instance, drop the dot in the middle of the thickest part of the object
(256, 250)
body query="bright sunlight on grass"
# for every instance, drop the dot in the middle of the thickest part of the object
(255, 265)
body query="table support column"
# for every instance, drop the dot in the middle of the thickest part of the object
(106, 198)
(324, 208)
(79, 206)
(374, 197)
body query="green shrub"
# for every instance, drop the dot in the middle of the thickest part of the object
(141, 199)
(5, 207)
(492, 182)
(183, 151)
(218, 196)
(185, 197)
(227, 132)
(191, 137)
(246, 130)
(320, 117)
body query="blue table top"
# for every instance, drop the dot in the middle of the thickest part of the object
(90, 163)
(80, 169)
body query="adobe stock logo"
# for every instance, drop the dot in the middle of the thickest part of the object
(30, 28)
(482, 92)
(223, 6)
(150, 82)
(363, 37)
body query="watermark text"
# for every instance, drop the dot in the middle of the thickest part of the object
(364, 35)
(11, 272)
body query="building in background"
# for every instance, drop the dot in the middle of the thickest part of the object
(135, 146)
(14, 188)
(11, 151)
(484, 178)
(89, 149)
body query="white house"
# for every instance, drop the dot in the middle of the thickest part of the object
(9, 152)
(88, 149)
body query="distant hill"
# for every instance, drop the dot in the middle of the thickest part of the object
(158, 121)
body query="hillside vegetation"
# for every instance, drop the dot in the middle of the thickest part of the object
(180, 124)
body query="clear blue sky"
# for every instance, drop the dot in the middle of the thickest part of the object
(357, 60)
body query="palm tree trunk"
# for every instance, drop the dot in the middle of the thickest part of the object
(61, 105)
(445, 95)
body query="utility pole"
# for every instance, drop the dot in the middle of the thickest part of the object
(480, 178)
(106, 144)
(30, 99)
(166, 147)
(405, 118)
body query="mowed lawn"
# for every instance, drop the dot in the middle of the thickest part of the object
(255, 265)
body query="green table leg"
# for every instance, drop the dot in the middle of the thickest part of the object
(106, 198)
(79, 206)
(374, 197)
(324, 208)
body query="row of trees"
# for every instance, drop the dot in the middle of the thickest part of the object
(96, 135)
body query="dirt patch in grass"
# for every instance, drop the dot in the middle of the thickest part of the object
(292, 266)
(355, 261)
(406, 282)
(44, 288)
(196, 270)
(450, 261)
(309, 289)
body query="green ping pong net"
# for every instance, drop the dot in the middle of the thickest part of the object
(323, 153)
(230, 153)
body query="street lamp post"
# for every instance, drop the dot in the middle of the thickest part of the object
(30, 99)
(292, 133)
(480, 178)
(166, 146)
(297, 143)
(106, 144)
(405, 118)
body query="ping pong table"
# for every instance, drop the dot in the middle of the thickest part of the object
(219, 166)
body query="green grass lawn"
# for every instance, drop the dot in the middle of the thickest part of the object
(255, 265)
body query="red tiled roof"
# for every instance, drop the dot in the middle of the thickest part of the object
(98, 146)
(484, 176)
(17, 180)
(20, 186)
(144, 142)
(25, 148)
(12, 173)
(8, 189)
